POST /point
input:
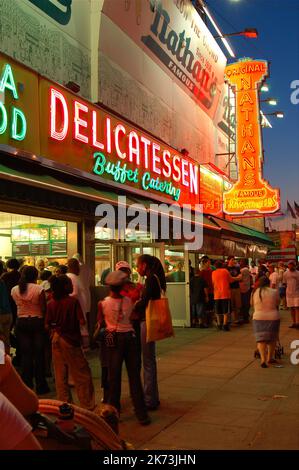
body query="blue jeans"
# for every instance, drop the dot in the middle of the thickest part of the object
(150, 380)
(198, 311)
(125, 351)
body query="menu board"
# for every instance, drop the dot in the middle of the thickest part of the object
(20, 249)
(40, 249)
(58, 248)
(58, 233)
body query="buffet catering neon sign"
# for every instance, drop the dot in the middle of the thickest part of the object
(139, 160)
(17, 125)
(251, 193)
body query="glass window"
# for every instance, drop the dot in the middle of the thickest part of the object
(174, 265)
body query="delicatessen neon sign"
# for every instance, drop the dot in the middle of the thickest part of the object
(113, 149)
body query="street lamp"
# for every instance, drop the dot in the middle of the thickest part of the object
(271, 101)
(265, 87)
(278, 114)
(248, 33)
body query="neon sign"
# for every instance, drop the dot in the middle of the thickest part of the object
(251, 193)
(18, 124)
(117, 151)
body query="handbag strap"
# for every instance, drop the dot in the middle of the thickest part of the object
(162, 292)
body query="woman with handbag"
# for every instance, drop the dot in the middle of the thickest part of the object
(155, 284)
(120, 341)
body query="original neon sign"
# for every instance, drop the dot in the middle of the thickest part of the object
(125, 155)
(251, 193)
(11, 117)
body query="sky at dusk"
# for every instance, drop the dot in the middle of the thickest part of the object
(277, 22)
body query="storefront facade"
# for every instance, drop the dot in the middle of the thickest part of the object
(61, 157)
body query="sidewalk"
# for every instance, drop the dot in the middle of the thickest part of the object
(215, 395)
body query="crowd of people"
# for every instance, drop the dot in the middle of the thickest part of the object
(46, 314)
(221, 291)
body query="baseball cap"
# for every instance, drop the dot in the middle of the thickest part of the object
(122, 264)
(116, 278)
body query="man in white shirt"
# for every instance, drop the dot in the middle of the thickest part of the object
(274, 277)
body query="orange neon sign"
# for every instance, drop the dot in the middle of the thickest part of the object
(251, 193)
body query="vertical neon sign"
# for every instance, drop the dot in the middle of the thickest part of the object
(251, 193)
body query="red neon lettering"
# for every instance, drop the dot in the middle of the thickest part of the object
(166, 155)
(108, 135)
(119, 128)
(177, 176)
(95, 142)
(79, 122)
(155, 158)
(61, 133)
(185, 173)
(146, 143)
(134, 147)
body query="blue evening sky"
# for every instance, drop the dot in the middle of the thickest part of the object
(277, 22)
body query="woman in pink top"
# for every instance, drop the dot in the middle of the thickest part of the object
(31, 307)
(266, 320)
(115, 310)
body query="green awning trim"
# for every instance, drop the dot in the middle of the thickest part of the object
(226, 225)
(46, 181)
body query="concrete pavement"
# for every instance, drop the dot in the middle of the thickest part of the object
(215, 395)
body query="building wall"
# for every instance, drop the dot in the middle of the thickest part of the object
(53, 39)
(143, 74)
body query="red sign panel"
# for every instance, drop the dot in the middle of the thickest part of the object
(84, 136)
(211, 192)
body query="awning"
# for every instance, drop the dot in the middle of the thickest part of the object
(240, 230)
(40, 179)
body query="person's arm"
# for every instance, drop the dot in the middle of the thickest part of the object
(4, 298)
(206, 294)
(101, 318)
(43, 302)
(17, 433)
(29, 443)
(80, 315)
(12, 386)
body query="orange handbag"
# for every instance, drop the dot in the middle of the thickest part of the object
(158, 319)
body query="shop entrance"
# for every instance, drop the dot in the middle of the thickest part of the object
(178, 284)
(109, 253)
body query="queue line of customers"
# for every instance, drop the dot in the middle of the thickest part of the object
(58, 312)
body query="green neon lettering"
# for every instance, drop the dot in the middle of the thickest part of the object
(19, 124)
(100, 161)
(7, 81)
(3, 125)
(177, 194)
(146, 177)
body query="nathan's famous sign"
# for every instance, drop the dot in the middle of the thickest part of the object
(251, 193)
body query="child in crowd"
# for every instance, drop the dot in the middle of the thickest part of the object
(63, 319)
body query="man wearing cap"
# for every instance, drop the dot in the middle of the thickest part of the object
(291, 280)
